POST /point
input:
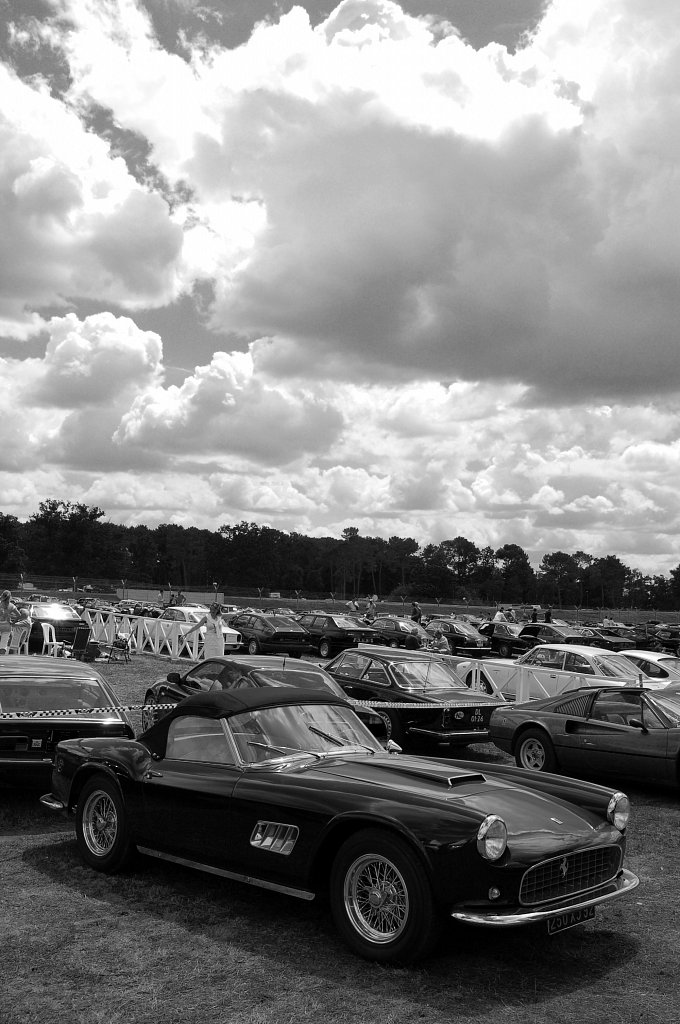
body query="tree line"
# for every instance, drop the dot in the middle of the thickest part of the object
(70, 539)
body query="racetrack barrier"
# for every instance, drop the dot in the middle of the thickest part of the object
(372, 705)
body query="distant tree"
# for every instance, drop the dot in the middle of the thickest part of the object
(519, 579)
(559, 577)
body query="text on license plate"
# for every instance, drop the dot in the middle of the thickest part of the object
(477, 719)
(569, 919)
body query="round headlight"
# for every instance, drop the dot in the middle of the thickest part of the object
(618, 811)
(492, 837)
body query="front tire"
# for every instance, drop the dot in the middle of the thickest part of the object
(102, 829)
(381, 898)
(324, 649)
(253, 647)
(504, 651)
(535, 752)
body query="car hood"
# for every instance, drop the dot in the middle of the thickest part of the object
(538, 823)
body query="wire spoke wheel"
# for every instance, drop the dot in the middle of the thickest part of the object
(100, 823)
(376, 898)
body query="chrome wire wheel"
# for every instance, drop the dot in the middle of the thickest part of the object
(100, 823)
(376, 898)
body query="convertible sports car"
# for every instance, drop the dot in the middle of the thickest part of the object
(233, 673)
(613, 731)
(44, 700)
(286, 789)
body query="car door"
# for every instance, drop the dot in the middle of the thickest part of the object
(187, 793)
(611, 745)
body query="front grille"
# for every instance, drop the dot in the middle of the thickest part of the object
(572, 873)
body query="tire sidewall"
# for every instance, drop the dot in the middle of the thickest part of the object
(121, 849)
(422, 926)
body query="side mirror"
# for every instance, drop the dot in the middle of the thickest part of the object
(392, 747)
(173, 677)
(635, 723)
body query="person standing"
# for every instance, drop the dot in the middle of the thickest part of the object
(416, 612)
(370, 610)
(9, 615)
(499, 616)
(213, 638)
(548, 614)
(534, 615)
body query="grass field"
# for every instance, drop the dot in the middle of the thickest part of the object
(170, 946)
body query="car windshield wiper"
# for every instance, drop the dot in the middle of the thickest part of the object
(338, 743)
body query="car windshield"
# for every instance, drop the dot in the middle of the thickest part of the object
(52, 695)
(614, 665)
(670, 705)
(305, 679)
(343, 622)
(317, 730)
(54, 612)
(426, 675)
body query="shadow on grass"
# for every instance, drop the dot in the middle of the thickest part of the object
(472, 968)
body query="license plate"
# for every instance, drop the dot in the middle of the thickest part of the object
(477, 719)
(569, 919)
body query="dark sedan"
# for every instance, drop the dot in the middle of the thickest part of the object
(611, 731)
(549, 633)
(272, 634)
(593, 636)
(287, 790)
(69, 627)
(333, 633)
(399, 632)
(415, 678)
(232, 673)
(505, 640)
(44, 700)
(461, 637)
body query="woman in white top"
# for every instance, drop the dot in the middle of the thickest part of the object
(213, 638)
(9, 614)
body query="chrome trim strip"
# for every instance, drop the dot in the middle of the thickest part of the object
(481, 735)
(625, 883)
(301, 894)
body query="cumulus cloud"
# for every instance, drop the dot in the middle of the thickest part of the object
(443, 280)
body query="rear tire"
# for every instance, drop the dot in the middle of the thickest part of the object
(149, 714)
(481, 686)
(324, 649)
(381, 898)
(535, 752)
(253, 647)
(102, 829)
(504, 651)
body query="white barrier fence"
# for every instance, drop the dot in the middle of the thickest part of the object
(530, 682)
(163, 637)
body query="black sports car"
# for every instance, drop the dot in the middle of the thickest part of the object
(44, 700)
(232, 673)
(398, 632)
(286, 789)
(550, 633)
(616, 731)
(504, 639)
(333, 633)
(461, 637)
(272, 634)
(414, 678)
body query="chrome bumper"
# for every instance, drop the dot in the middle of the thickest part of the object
(513, 916)
(52, 802)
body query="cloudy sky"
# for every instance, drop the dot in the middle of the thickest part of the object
(413, 269)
